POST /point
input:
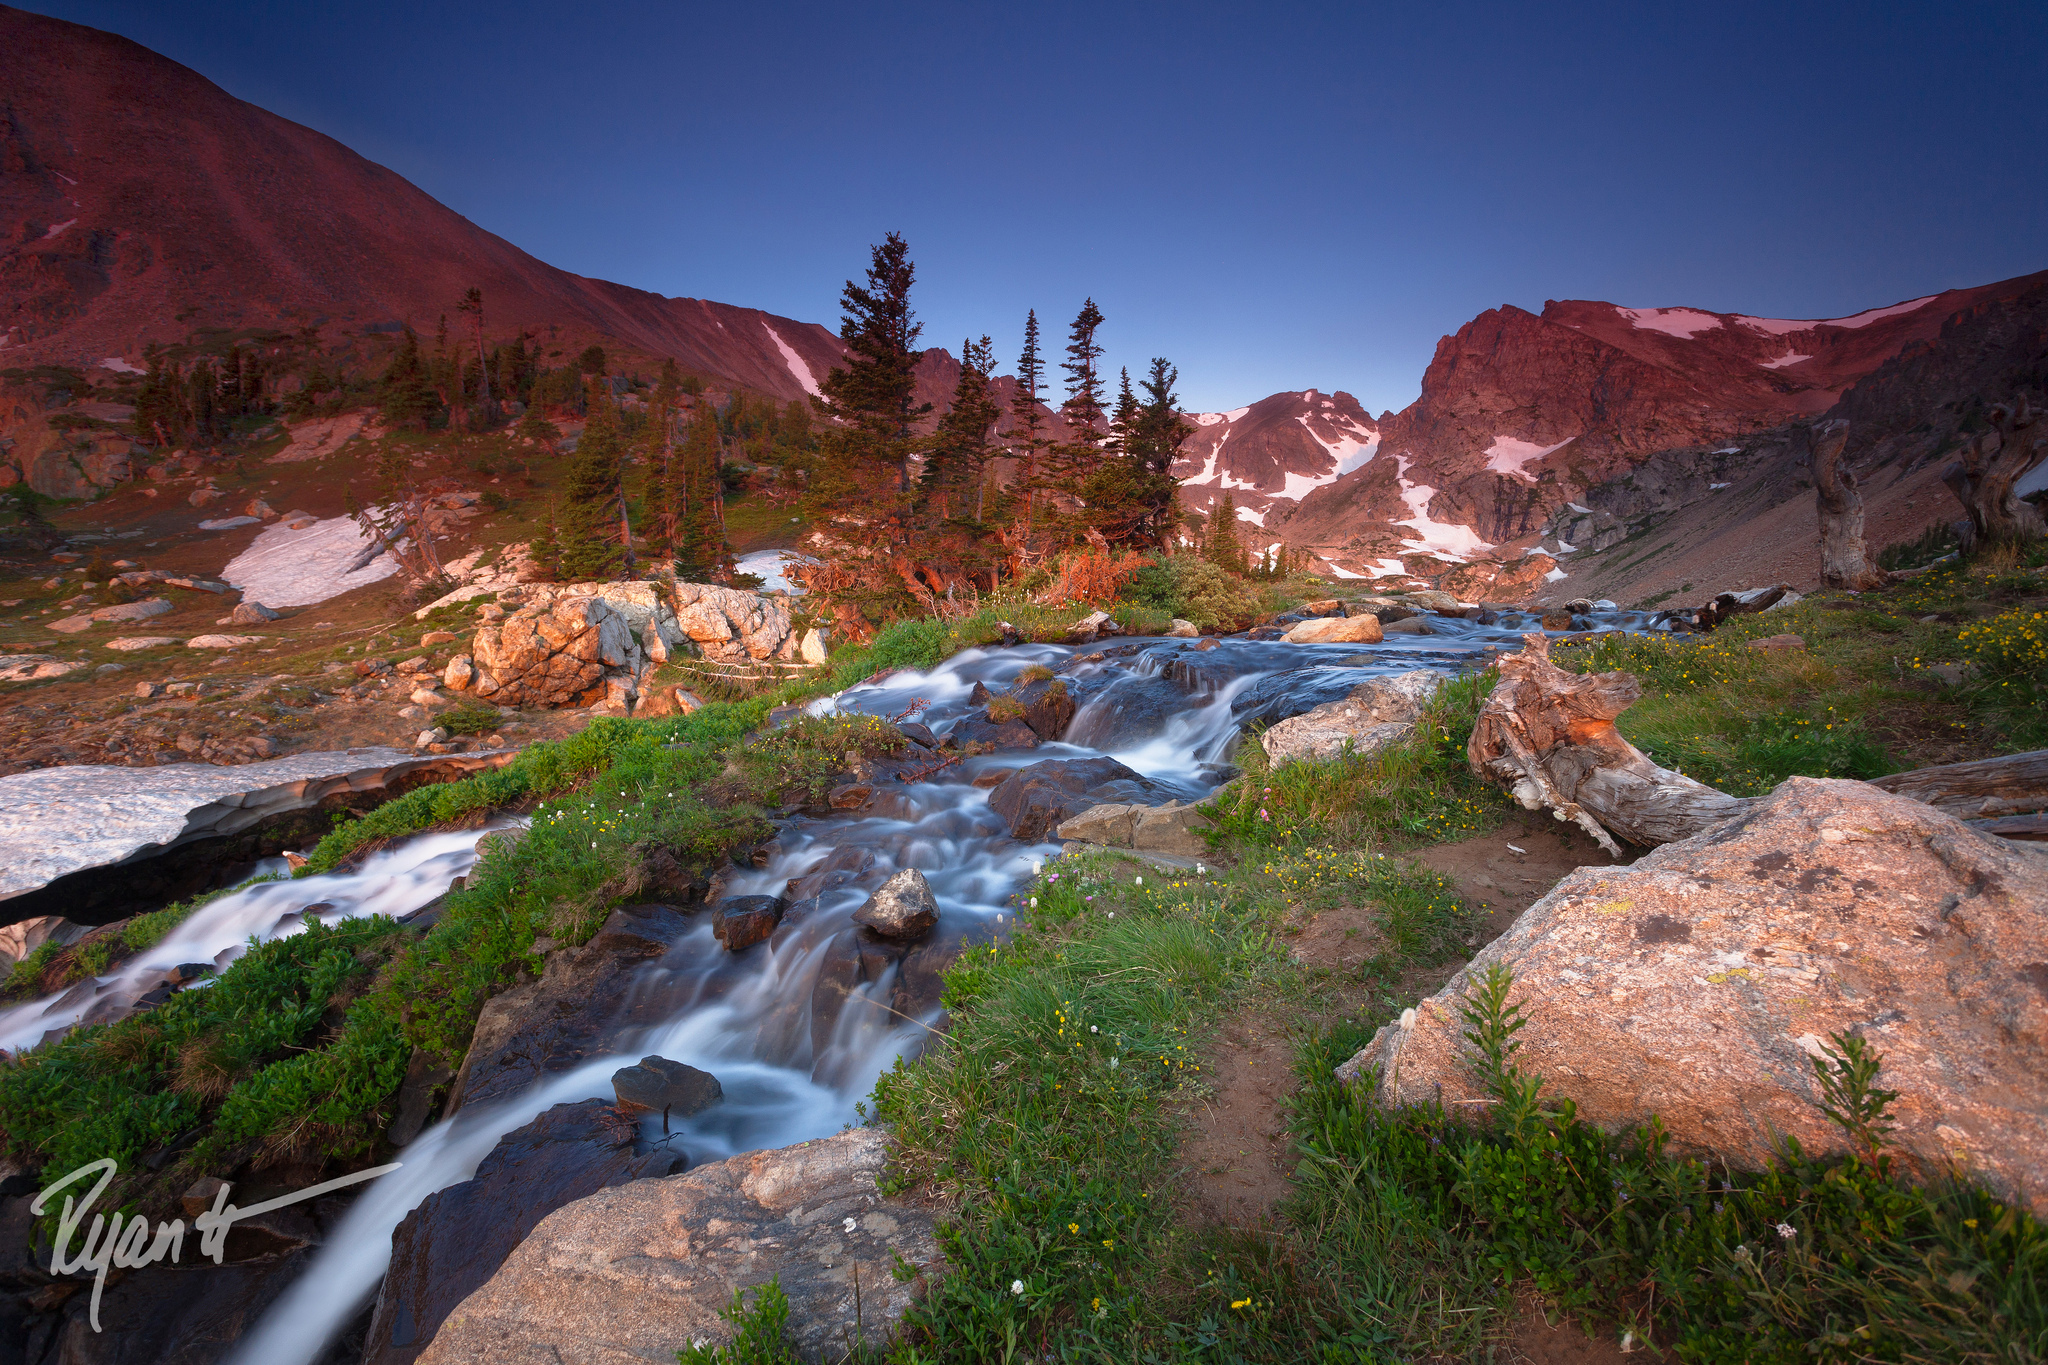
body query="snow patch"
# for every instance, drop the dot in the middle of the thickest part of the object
(1672, 322)
(58, 230)
(1789, 358)
(771, 566)
(797, 369)
(1729, 450)
(1337, 570)
(63, 177)
(1388, 568)
(1554, 575)
(1441, 537)
(287, 568)
(120, 366)
(1508, 456)
(1565, 547)
(1713, 486)
(1778, 327)
(1247, 514)
(1582, 511)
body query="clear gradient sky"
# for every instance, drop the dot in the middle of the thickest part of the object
(1276, 196)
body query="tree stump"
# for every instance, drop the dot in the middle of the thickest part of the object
(1991, 464)
(1549, 736)
(1840, 505)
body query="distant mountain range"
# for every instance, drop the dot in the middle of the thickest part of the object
(140, 202)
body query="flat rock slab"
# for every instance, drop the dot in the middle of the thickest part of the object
(1034, 800)
(628, 1274)
(1697, 984)
(55, 821)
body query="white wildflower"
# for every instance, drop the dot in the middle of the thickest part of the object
(1786, 1230)
(1016, 1286)
(852, 1223)
(1408, 1018)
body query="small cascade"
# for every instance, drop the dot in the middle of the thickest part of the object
(794, 1059)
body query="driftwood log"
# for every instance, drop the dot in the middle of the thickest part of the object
(1549, 737)
(1839, 504)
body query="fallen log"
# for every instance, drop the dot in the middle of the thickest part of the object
(1985, 788)
(2025, 828)
(1549, 736)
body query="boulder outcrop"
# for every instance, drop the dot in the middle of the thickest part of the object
(731, 625)
(1697, 984)
(1379, 712)
(552, 653)
(633, 1272)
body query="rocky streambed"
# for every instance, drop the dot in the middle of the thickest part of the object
(807, 967)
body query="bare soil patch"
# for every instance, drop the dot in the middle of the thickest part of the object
(1509, 870)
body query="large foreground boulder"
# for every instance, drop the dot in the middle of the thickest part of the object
(1376, 714)
(1172, 828)
(1033, 801)
(1697, 984)
(633, 1272)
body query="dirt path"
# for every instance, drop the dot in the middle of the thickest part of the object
(1235, 1154)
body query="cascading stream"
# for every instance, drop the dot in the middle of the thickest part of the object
(1165, 708)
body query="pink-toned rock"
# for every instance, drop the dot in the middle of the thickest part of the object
(1337, 630)
(550, 654)
(1696, 985)
(1776, 643)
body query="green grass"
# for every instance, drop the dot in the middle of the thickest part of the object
(1832, 1257)
(1417, 791)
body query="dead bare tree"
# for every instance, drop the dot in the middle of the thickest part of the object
(1991, 465)
(1840, 504)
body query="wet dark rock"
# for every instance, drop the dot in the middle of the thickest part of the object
(842, 866)
(744, 921)
(1033, 801)
(1485, 617)
(425, 1076)
(459, 1236)
(189, 1314)
(904, 909)
(856, 958)
(849, 796)
(993, 735)
(659, 1085)
(919, 733)
(1048, 707)
(583, 1000)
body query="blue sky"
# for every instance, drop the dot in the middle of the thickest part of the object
(1274, 196)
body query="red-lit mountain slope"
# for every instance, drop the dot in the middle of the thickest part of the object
(139, 201)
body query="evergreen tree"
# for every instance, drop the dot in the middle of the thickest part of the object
(1078, 457)
(700, 554)
(1152, 443)
(590, 491)
(1028, 441)
(660, 502)
(872, 393)
(545, 550)
(473, 304)
(201, 386)
(407, 396)
(535, 426)
(1222, 546)
(953, 474)
(159, 411)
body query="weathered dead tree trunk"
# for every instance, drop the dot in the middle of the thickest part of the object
(2013, 784)
(1840, 505)
(1549, 736)
(1991, 464)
